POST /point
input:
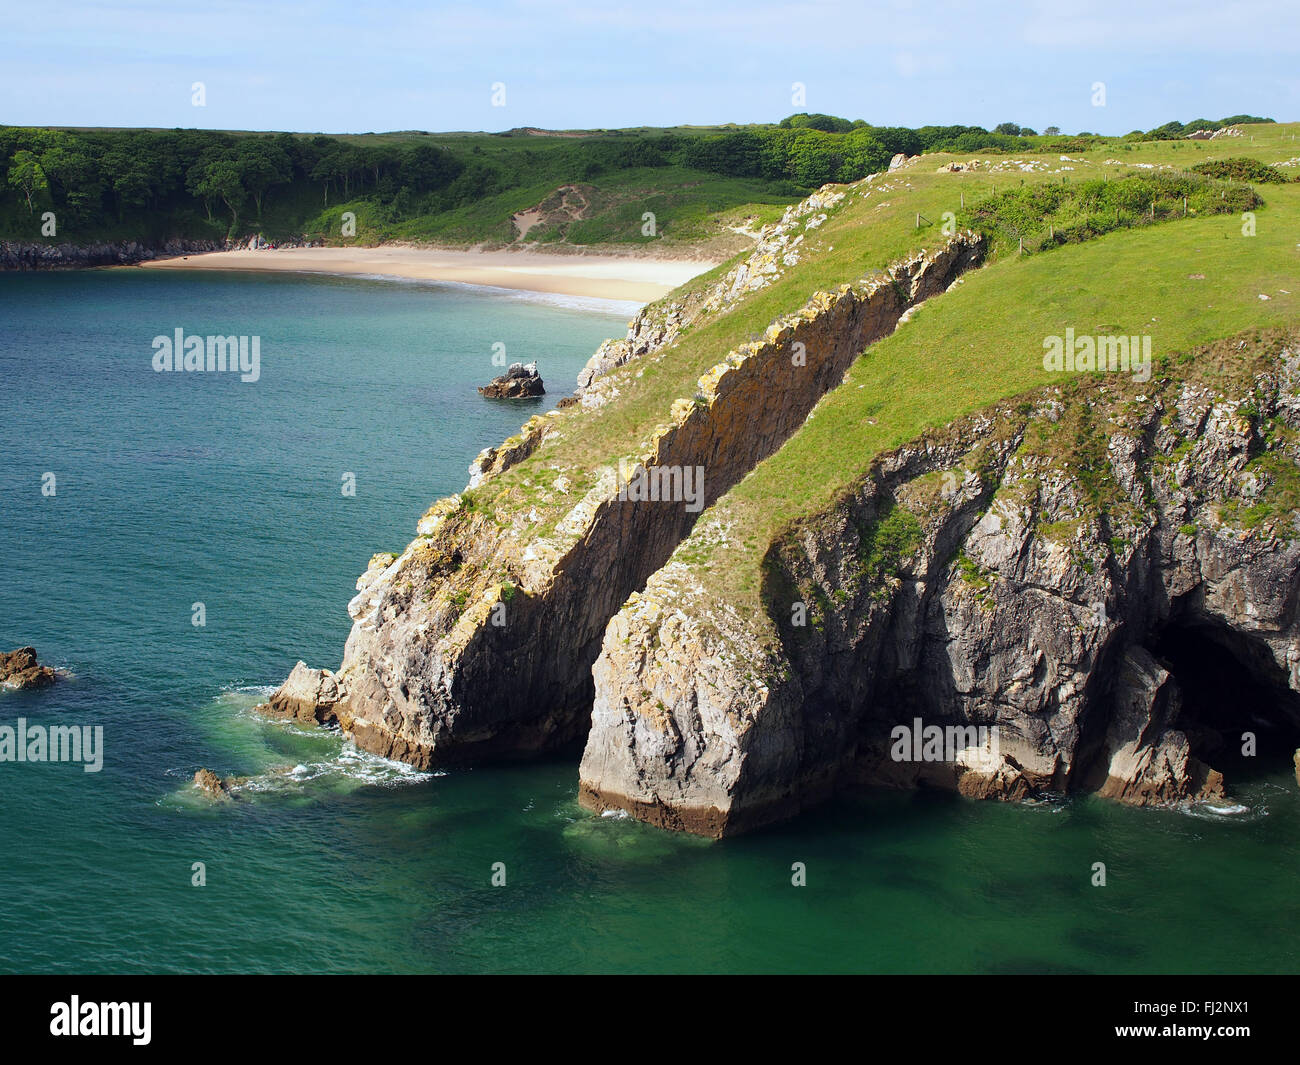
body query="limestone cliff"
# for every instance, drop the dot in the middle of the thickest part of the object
(478, 639)
(1022, 569)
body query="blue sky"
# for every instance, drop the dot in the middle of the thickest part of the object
(390, 64)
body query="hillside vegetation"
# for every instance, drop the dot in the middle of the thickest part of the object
(876, 223)
(585, 187)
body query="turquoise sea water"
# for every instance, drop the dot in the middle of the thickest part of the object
(174, 489)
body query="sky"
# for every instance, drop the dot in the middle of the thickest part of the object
(381, 65)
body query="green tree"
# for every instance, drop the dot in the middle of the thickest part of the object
(74, 180)
(425, 168)
(26, 175)
(219, 179)
(815, 158)
(262, 165)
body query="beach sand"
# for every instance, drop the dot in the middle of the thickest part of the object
(637, 279)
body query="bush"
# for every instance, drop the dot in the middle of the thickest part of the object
(1239, 168)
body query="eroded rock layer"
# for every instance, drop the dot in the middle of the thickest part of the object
(477, 641)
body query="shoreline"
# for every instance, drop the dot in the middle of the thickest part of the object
(593, 275)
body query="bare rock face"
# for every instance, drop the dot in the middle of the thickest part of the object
(518, 382)
(477, 641)
(308, 696)
(1017, 571)
(778, 247)
(19, 669)
(1148, 762)
(32, 255)
(1296, 759)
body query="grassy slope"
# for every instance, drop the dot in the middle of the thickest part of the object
(691, 206)
(874, 226)
(983, 341)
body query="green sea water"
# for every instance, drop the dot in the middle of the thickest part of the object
(175, 489)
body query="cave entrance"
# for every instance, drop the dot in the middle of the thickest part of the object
(1230, 685)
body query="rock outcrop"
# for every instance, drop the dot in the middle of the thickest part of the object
(478, 640)
(307, 696)
(211, 785)
(20, 669)
(779, 246)
(1016, 571)
(1147, 761)
(33, 255)
(518, 382)
(223, 789)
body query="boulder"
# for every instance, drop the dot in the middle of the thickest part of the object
(518, 382)
(211, 785)
(19, 669)
(307, 695)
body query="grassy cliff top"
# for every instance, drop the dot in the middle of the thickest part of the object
(1183, 284)
(986, 343)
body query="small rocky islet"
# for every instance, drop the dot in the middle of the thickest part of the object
(520, 381)
(20, 669)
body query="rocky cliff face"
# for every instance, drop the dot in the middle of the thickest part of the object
(30, 255)
(779, 246)
(1020, 570)
(477, 641)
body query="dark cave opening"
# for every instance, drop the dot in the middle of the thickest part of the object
(1230, 685)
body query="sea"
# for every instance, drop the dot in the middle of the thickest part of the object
(173, 542)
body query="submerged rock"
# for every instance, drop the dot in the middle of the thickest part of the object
(222, 788)
(211, 785)
(19, 669)
(518, 382)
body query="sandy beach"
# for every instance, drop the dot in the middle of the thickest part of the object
(627, 278)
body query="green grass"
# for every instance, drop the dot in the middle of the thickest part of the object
(983, 342)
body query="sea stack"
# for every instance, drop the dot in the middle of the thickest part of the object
(518, 382)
